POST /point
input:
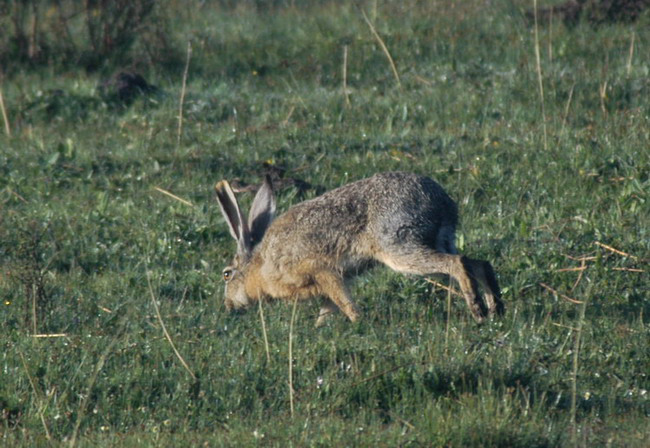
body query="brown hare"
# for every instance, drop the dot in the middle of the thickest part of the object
(403, 220)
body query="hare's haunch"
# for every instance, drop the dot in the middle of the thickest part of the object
(403, 220)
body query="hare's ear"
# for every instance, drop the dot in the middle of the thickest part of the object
(232, 213)
(262, 211)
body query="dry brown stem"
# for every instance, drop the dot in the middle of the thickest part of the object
(50, 335)
(579, 268)
(37, 395)
(628, 269)
(616, 251)
(555, 292)
(538, 64)
(345, 75)
(583, 265)
(291, 391)
(5, 117)
(384, 48)
(630, 54)
(173, 196)
(266, 338)
(182, 98)
(446, 288)
(165, 332)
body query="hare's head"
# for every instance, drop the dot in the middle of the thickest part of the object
(247, 234)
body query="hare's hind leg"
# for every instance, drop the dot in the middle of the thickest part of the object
(483, 272)
(422, 260)
(333, 287)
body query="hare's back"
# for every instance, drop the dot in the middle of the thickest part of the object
(388, 209)
(412, 210)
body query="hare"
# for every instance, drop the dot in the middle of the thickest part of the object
(402, 220)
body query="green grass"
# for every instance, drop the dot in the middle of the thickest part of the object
(82, 226)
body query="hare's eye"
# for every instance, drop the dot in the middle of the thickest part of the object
(227, 274)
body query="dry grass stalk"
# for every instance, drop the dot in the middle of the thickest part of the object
(165, 332)
(22, 199)
(182, 98)
(173, 196)
(583, 265)
(555, 292)
(540, 82)
(50, 335)
(37, 394)
(450, 291)
(585, 258)
(81, 412)
(616, 251)
(422, 80)
(266, 339)
(602, 93)
(566, 109)
(32, 48)
(402, 421)
(63, 26)
(574, 373)
(34, 313)
(579, 268)
(582, 268)
(630, 55)
(448, 324)
(345, 75)
(5, 117)
(286, 120)
(564, 326)
(550, 37)
(628, 269)
(384, 49)
(446, 288)
(291, 392)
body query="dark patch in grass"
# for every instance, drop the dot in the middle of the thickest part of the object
(10, 414)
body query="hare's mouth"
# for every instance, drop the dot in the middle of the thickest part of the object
(238, 303)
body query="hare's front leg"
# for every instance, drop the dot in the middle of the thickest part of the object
(326, 310)
(333, 287)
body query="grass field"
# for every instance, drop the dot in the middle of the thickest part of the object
(553, 193)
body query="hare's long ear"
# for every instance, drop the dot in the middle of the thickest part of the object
(262, 211)
(234, 218)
